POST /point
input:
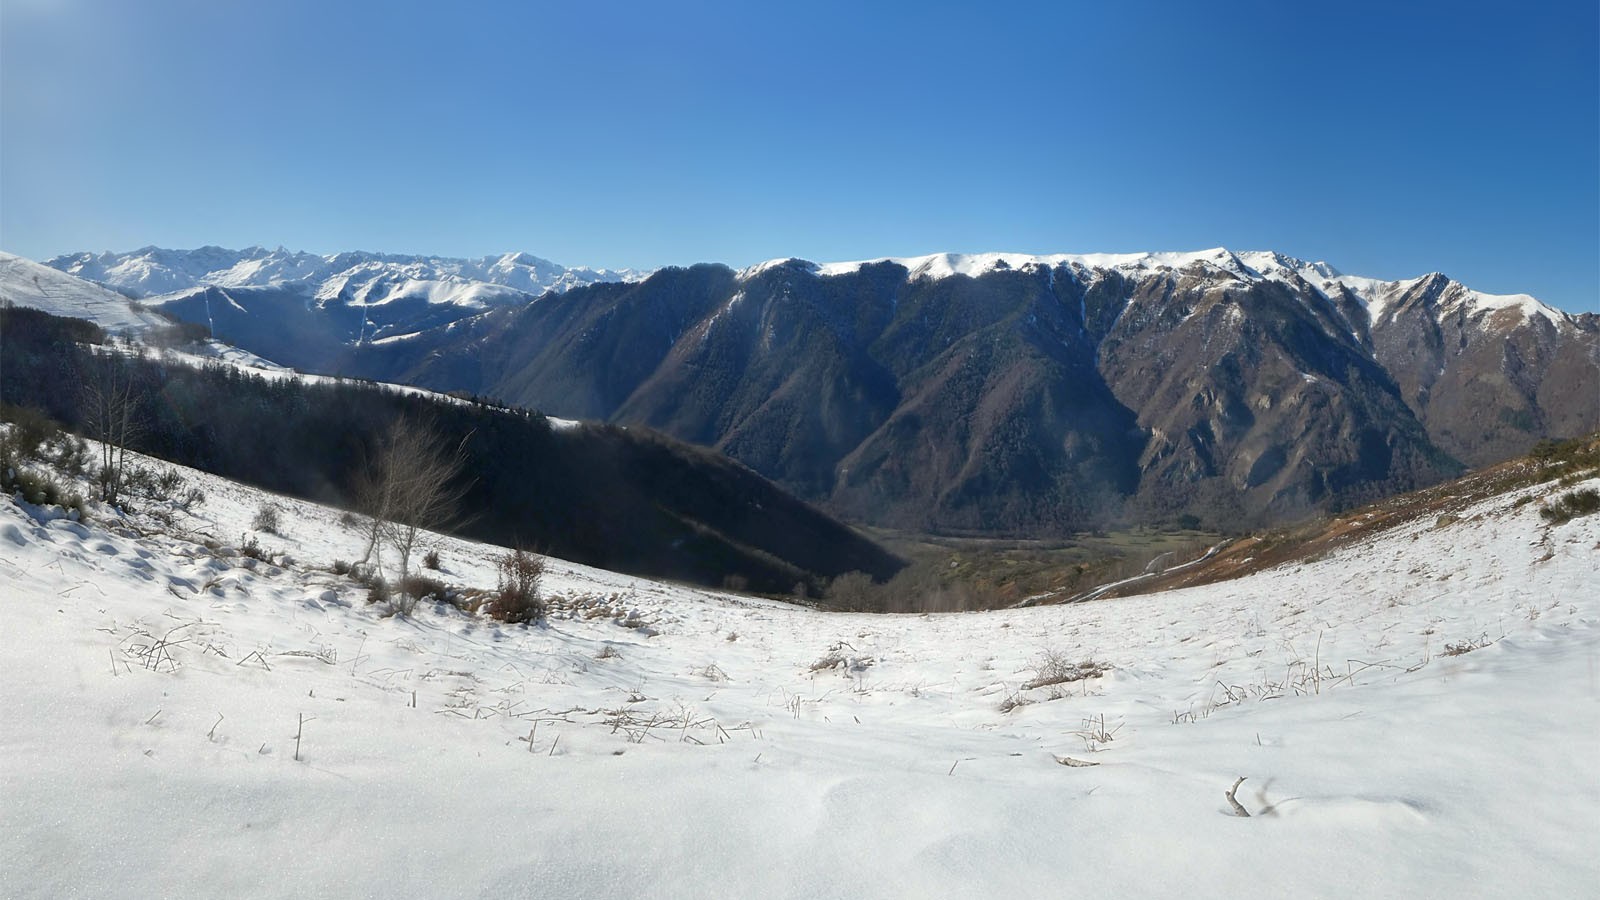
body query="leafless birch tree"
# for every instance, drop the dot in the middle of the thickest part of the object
(108, 400)
(412, 483)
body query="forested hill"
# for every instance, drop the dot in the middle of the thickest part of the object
(627, 499)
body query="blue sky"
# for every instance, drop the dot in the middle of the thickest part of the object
(1388, 139)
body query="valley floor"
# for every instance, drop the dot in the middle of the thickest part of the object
(657, 740)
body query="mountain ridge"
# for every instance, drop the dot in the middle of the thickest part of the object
(151, 271)
(1043, 392)
(1000, 392)
(1253, 264)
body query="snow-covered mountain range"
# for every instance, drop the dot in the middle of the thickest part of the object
(976, 392)
(378, 279)
(304, 310)
(371, 278)
(968, 392)
(1375, 294)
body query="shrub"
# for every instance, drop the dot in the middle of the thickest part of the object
(1053, 667)
(10, 462)
(40, 489)
(852, 591)
(1549, 450)
(404, 595)
(160, 485)
(419, 586)
(266, 519)
(1572, 505)
(517, 598)
(30, 432)
(341, 567)
(249, 546)
(919, 587)
(431, 559)
(69, 454)
(22, 441)
(1567, 458)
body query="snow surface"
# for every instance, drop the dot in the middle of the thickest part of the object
(1524, 304)
(447, 755)
(378, 286)
(27, 283)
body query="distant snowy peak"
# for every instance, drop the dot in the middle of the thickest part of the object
(1380, 297)
(358, 276)
(365, 286)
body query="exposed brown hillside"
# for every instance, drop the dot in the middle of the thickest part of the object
(1443, 503)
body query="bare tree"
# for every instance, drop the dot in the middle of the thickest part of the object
(108, 400)
(373, 496)
(412, 483)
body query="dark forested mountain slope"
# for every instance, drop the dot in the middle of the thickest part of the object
(627, 499)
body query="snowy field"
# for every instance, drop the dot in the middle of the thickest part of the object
(662, 741)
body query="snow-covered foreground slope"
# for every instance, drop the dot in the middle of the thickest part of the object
(654, 740)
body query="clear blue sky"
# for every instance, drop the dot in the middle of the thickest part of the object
(1390, 139)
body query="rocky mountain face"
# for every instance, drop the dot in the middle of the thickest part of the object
(1258, 402)
(1024, 394)
(1487, 378)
